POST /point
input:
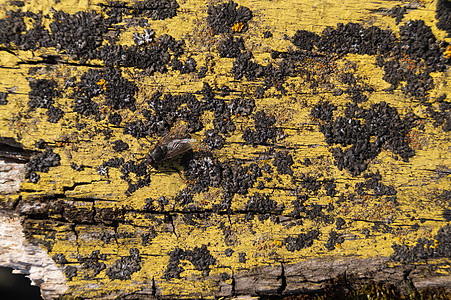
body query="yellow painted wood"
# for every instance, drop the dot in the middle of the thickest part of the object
(417, 182)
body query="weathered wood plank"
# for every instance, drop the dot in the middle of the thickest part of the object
(323, 150)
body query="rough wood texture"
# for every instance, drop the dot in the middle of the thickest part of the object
(322, 158)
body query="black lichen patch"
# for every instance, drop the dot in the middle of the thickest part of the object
(86, 89)
(70, 272)
(305, 40)
(340, 222)
(151, 57)
(354, 38)
(323, 111)
(168, 108)
(188, 66)
(115, 119)
(263, 206)
(425, 55)
(407, 60)
(438, 247)
(334, 239)
(234, 177)
(13, 31)
(205, 171)
(373, 186)
(74, 214)
(283, 162)
(118, 92)
(419, 42)
(228, 252)
(301, 241)
(383, 128)
(264, 129)
(148, 236)
(231, 47)
(155, 10)
(124, 267)
(109, 216)
(242, 257)
(310, 183)
(120, 146)
(397, 13)
(213, 139)
(267, 34)
(54, 114)
(442, 115)
(3, 98)
(60, 258)
(200, 257)
(242, 106)
(81, 33)
(43, 92)
(42, 163)
(140, 171)
(11, 28)
(443, 15)
(222, 17)
(244, 66)
(92, 262)
(184, 197)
